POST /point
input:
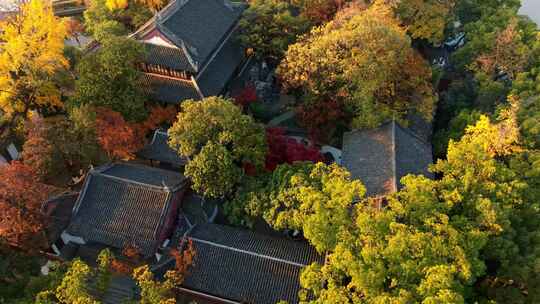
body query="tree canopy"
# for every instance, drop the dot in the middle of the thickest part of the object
(21, 196)
(59, 144)
(108, 77)
(220, 140)
(424, 19)
(436, 239)
(313, 198)
(269, 26)
(115, 17)
(31, 59)
(367, 60)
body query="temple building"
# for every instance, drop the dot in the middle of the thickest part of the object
(380, 157)
(192, 50)
(123, 205)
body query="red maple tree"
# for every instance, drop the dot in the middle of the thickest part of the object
(117, 137)
(159, 116)
(321, 118)
(184, 260)
(246, 96)
(283, 149)
(21, 195)
(321, 11)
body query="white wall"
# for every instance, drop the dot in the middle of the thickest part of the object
(531, 8)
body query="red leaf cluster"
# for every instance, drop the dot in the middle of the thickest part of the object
(246, 96)
(132, 258)
(21, 196)
(117, 137)
(184, 259)
(121, 267)
(321, 118)
(321, 11)
(132, 252)
(121, 139)
(283, 149)
(160, 115)
(249, 169)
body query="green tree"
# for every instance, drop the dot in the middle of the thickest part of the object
(164, 292)
(437, 239)
(220, 140)
(424, 19)
(270, 26)
(250, 198)
(454, 131)
(73, 288)
(213, 172)
(152, 291)
(17, 270)
(313, 198)
(470, 11)
(109, 77)
(103, 273)
(97, 16)
(366, 59)
(499, 39)
(101, 21)
(498, 58)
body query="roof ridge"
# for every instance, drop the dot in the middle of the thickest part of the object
(129, 164)
(128, 181)
(259, 255)
(394, 151)
(170, 9)
(182, 44)
(165, 187)
(412, 133)
(226, 3)
(163, 215)
(82, 194)
(215, 52)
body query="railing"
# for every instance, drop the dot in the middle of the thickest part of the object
(67, 8)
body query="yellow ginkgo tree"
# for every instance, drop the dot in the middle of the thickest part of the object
(31, 55)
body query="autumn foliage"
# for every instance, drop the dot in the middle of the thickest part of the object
(246, 96)
(509, 55)
(31, 58)
(321, 118)
(21, 196)
(320, 11)
(368, 61)
(117, 137)
(131, 259)
(283, 149)
(184, 260)
(159, 116)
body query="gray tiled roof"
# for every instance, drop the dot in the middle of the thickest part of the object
(145, 175)
(170, 57)
(169, 90)
(381, 157)
(124, 205)
(159, 150)
(199, 25)
(213, 80)
(247, 267)
(203, 32)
